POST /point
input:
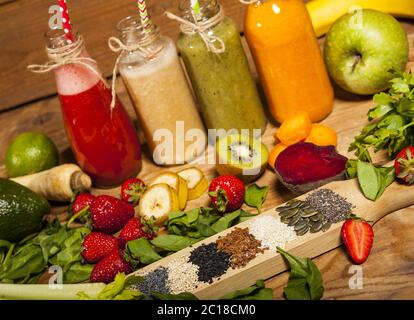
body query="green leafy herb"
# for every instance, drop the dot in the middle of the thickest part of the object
(142, 250)
(374, 180)
(54, 244)
(255, 196)
(171, 242)
(255, 292)
(392, 120)
(305, 280)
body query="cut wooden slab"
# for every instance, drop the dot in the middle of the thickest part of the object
(270, 263)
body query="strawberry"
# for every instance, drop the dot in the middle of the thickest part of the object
(131, 190)
(82, 201)
(358, 237)
(227, 193)
(97, 245)
(134, 229)
(106, 269)
(404, 165)
(110, 214)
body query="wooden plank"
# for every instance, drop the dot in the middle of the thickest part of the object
(391, 242)
(23, 23)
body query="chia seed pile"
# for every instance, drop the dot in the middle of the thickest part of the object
(334, 207)
(155, 281)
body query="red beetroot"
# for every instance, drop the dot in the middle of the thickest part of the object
(404, 165)
(305, 166)
(97, 246)
(134, 229)
(227, 193)
(110, 214)
(106, 269)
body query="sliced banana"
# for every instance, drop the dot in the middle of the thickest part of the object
(158, 201)
(196, 182)
(175, 182)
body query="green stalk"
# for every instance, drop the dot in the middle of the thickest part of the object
(45, 291)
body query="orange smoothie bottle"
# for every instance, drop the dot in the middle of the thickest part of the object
(288, 59)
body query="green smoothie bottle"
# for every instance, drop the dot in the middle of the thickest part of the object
(218, 69)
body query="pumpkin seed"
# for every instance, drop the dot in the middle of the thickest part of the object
(316, 226)
(308, 214)
(301, 224)
(326, 226)
(302, 231)
(289, 213)
(294, 220)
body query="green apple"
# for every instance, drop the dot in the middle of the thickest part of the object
(362, 47)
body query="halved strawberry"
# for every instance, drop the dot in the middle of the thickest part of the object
(358, 237)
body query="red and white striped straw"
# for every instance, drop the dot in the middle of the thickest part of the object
(145, 18)
(67, 27)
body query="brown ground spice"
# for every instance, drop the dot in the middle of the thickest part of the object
(241, 246)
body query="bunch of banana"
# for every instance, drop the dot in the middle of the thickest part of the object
(325, 12)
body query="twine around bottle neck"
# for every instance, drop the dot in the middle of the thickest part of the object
(70, 54)
(250, 1)
(201, 28)
(140, 47)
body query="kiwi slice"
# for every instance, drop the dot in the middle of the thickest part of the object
(242, 156)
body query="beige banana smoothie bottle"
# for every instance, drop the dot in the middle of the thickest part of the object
(156, 83)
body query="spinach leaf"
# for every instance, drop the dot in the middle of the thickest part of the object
(305, 280)
(374, 180)
(116, 290)
(27, 260)
(255, 292)
(226, 221)
(255, 196)
(369, 179)
(142, 250)
(170, 242)
(77, 272)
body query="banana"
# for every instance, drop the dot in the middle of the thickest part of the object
(158, 201)
(325, 12)
(196, 182)
(175, 182)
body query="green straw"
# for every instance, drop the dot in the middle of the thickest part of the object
(195, 5)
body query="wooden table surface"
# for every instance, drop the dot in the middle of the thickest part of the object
(389, 271)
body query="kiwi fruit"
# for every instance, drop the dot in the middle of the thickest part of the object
(242, 156)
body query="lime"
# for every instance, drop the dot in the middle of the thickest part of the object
(29, 153)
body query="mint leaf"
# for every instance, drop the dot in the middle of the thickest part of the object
(255, 196)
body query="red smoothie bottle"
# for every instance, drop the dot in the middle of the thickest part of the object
(103, 139)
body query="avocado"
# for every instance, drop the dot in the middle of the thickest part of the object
(21, 211)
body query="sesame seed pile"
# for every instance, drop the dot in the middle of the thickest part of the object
(271, 232)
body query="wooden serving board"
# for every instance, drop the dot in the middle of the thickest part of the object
(270, 263)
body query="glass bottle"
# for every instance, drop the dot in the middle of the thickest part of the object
(288, 59)
(223, 84)
(104, 141)
(160, 94)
